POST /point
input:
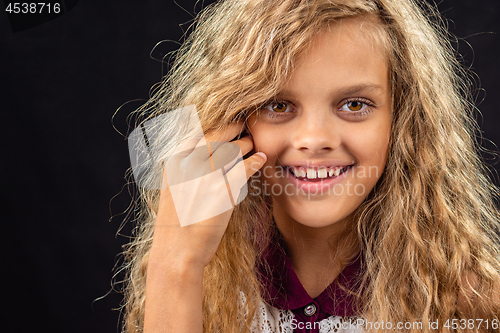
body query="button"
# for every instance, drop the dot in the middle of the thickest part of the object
(310, 310)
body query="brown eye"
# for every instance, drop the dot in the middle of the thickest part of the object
(355, 105)
(279, 107)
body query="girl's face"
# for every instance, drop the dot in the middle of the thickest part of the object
(326, 135)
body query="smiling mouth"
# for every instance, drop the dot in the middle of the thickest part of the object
(316, 174)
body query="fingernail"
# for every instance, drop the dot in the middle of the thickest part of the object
(262, 154)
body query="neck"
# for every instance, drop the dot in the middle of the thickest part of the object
(318, 255)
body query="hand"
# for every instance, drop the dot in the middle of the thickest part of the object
(196, 243)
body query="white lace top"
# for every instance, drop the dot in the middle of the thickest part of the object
(269, 319)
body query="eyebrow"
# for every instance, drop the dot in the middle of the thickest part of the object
(361, 88)
(351, 90)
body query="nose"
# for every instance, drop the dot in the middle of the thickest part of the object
(316, 132)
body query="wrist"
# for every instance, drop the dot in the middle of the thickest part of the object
(180, 263)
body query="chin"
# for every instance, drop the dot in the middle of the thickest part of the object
(315, 214)
(317, 223)
(318, 220)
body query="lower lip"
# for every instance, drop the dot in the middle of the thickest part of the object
(314, 186)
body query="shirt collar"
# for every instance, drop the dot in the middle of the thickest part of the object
(283, 289)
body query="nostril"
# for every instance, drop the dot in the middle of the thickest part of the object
(316, 143)
(316, 150)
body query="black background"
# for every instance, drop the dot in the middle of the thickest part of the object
(63, 164)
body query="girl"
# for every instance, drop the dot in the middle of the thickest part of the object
(368, 207)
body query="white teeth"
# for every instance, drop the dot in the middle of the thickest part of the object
(302, 173)
(322, 173)
(298, 172)
(311, 173)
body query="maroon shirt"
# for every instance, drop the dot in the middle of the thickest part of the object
(283, 290)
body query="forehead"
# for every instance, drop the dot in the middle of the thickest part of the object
(350, 52)
(362, 31)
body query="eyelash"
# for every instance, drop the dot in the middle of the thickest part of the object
(368, 105)
(273, 114)
(368, 108)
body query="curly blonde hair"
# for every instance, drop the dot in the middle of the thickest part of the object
(430, 221)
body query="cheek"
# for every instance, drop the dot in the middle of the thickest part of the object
(370, 146)
(267, 139)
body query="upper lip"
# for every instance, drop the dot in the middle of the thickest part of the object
(319, 164)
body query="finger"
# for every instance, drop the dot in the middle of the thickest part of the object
(225, 154)
(245, 144)
(227, 133)
(238, 176)
(199, 161)
(254, 163)
(215, 138)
